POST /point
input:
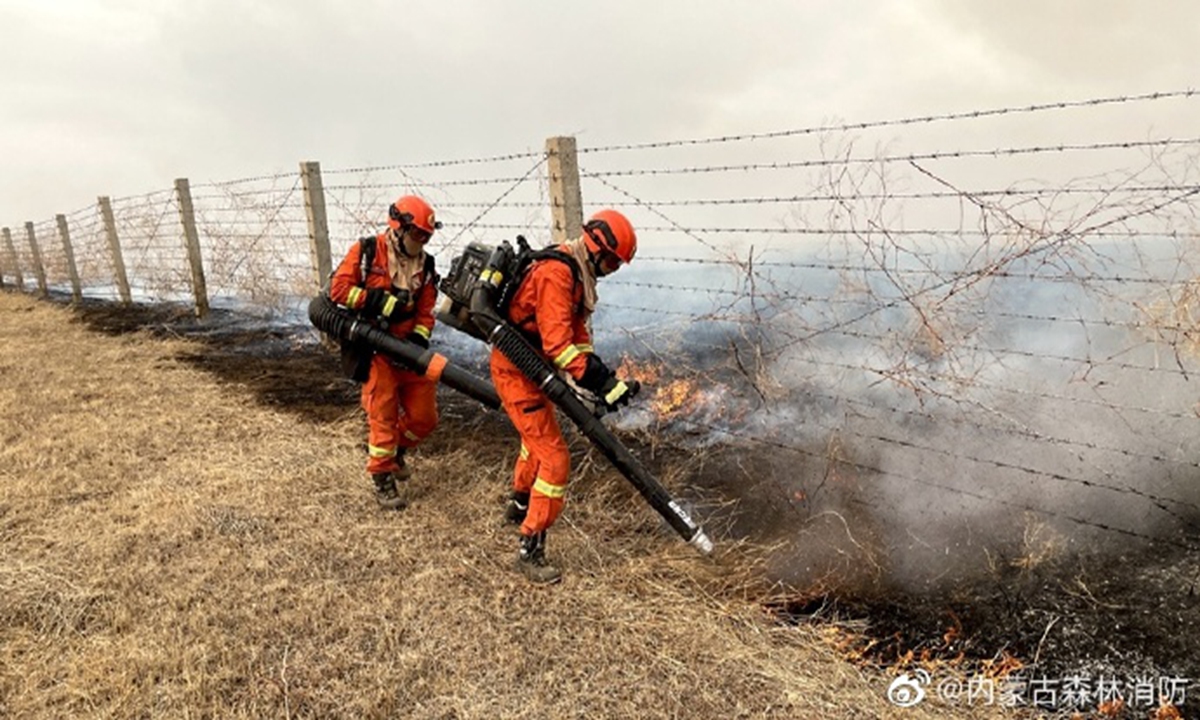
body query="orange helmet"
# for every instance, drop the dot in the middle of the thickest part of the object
(411, 210)
(610, 231)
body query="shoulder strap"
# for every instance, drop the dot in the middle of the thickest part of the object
(555, 254)
(525, 263)
(431, 276)
(366, 258)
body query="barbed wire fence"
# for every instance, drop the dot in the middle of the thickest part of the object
(1011, 324)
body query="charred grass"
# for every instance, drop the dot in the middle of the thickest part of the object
(187, 532)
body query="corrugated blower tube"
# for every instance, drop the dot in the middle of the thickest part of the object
(328, 317)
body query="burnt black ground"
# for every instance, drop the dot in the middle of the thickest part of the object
(1127, 611)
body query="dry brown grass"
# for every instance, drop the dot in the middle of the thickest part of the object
(172, 549)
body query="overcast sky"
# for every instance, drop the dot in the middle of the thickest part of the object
(120, 97)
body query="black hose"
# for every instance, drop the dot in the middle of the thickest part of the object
(327, 316)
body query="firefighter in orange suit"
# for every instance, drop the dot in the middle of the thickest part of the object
(552, 307)
(396, 288)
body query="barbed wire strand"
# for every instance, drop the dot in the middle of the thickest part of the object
(147, 199)
(923, 119)
(224, 184)
(837, 231)
(437, 163)
(433, 183)
(1004, 274)
(928, 195)
(887, 159)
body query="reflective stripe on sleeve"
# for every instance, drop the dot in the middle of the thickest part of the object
(524, 452)
(353, 299)
(566, 356)
(423, 331)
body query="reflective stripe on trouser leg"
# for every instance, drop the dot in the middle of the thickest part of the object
(545, 504)
(549, 462)
(554, 492)
(381, 452)
(380, 400)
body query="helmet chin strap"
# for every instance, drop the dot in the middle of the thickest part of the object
(398, 234)
(594, 261)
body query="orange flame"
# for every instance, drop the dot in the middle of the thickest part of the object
(1005, 666)
(1167, 711)
(670, 398)
(675, 397)
(644, 372)
(954, 632)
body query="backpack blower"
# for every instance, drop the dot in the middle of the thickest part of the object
(481, 281)
(359, 338)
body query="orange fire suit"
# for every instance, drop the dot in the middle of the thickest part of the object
(547, 308)
(401, 405)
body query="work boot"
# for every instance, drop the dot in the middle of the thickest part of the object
(532, 563)
(387, 493)
(517, 508)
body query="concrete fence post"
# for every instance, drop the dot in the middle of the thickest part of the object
(187, 216)
(566, 200)
(114, 249)
(65, 234)
(13, 260)
(39, 270)
(318, 221)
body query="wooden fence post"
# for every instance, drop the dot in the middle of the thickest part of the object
(39, 270)
(187, 215)
(114, 247)
(566, 200)
(16, 262)
(318, 222)
(65, 234)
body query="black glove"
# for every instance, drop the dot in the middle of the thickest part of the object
(603, 382)
(595, 375)
(617, 393)
(417, 338)
(386, 305)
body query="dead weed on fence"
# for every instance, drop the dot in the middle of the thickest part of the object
(174, 547)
